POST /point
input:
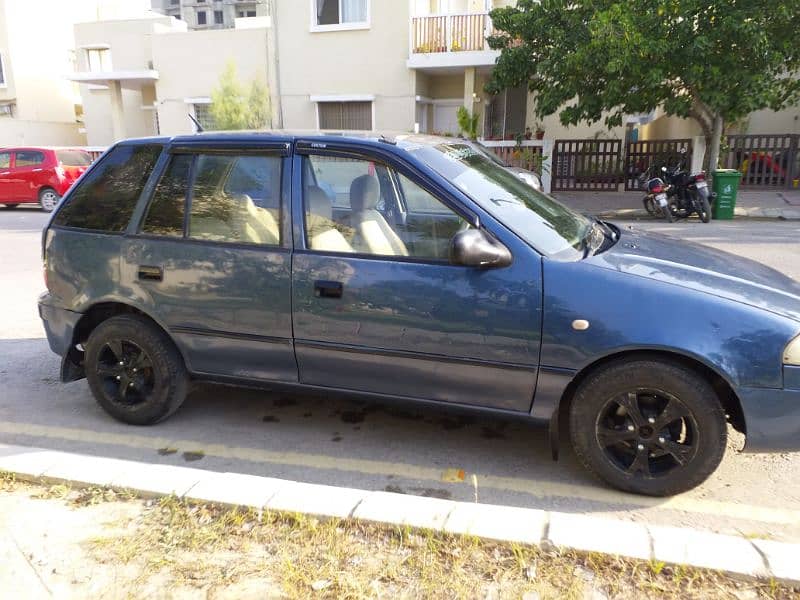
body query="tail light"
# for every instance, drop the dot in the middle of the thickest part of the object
(657, 189)
(701, 176)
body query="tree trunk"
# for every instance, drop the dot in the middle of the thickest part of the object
(716, 141)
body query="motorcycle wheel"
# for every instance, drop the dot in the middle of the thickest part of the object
(667, 211)
(705, 209)
(650, 206)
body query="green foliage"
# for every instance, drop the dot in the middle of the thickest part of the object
(712, 60)
(468, 122)
(232, 109)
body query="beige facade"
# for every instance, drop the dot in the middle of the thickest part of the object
(38, 105)
(145, 76)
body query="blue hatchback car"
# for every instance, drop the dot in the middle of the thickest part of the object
(416, 268)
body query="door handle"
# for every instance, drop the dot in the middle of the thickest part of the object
(328, 289)
(147, 273)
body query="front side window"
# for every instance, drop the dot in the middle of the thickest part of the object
(29, 158)
(236, 199)
(105, 198)
(360, 206)
(345, 116)
(341, 12)
(5, 160)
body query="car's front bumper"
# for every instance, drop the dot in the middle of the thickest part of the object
(772, 416)
(59, 324)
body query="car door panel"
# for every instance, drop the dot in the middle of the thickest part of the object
(417, 328)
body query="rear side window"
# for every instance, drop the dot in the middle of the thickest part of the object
(74, 158)
(5, 160)
(106, 197)
(29, 158)
(165, 215)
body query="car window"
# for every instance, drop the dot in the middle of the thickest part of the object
(105, 198)
(222, 208)
(29, 158)
(74, 158)
(167, 208)
(367, 220)
(5, 160)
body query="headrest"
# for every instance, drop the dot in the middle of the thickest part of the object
(318, 203)
(364, 192)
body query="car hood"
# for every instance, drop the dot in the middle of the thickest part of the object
(704, 269)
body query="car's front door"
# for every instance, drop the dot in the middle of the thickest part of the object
(377, 307)
(211, 259)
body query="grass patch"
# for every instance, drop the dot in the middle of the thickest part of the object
(211, 547)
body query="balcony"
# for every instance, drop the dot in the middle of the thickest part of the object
(459, 40)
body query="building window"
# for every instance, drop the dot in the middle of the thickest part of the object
(218, 19)
(98, 60)
(201, 17)
(174, 2)
(345, 116)
(7, 109)
(240, 14)
(341, 13)
(202, 112)
(2, 73)
(251, 13)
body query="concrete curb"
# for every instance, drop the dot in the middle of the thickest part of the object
(735, 555)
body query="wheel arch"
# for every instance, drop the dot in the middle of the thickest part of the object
(104, 310)
(559, 425)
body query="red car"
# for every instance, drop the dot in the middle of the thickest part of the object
(43, 175)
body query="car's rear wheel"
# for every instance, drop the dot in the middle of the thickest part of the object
(48, 199)
(134, 370)
(648, 426)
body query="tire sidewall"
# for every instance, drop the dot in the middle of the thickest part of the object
(42, 193)
(691, 389)
(170, 382)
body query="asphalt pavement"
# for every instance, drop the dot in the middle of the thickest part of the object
(375, 446)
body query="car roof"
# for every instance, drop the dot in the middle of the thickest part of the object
(284, 136)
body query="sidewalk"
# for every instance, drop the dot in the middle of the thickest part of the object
(769, 204)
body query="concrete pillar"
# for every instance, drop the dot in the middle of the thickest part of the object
(469, 88)
(117, 111)
(698, 153)
(547, 165)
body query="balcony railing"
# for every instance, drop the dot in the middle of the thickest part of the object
(450, 33)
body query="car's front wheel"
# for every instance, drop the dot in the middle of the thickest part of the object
(134, 370)
(48, 199)
(649, 427)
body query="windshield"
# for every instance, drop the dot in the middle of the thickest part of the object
(74, 158)
(540, 220)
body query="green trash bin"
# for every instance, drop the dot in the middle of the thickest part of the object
(726, 185)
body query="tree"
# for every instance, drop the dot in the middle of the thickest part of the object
(714, 61)
(232, 109)
(467, 122)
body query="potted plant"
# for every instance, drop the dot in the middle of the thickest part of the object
(539, 131)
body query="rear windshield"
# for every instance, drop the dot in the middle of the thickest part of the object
(74, 158)
(105, 198)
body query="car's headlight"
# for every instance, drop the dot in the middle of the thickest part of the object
(791, 355)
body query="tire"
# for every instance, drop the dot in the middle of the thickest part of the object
(671, 440)
(153, 369)
(705, 207)
(650, 205)
(48, 199)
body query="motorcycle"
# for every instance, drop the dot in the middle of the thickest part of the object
(687, 193)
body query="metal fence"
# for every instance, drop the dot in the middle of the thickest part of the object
(641, 154)
(764, 160)
(587, 165)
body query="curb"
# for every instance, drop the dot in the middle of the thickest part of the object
(735, 555)
(761, 214)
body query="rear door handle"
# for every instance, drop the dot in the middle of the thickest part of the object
(147, 273)
(328, 289)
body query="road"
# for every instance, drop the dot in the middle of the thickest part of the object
(374, 445)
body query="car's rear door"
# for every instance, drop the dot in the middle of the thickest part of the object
(395, 317)
(211, 257)
(28, 174)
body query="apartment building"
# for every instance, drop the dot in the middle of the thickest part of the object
(146, 76)
(37, 104)
(211, 14)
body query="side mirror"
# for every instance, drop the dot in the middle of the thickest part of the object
(474, 248)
